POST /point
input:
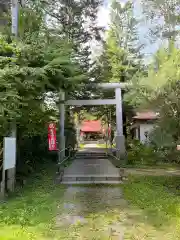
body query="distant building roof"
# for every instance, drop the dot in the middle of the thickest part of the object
(148, 115)
(91, 126)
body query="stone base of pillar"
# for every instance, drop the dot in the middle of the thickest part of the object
(120, 147)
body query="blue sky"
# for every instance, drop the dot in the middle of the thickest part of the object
(103, 20)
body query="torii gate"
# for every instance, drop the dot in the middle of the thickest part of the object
(120, 140)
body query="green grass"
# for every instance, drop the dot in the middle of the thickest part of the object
(166, 166)
(103, 145)
(30, 213)
(154, 207)
(123, 164)
(81, 146)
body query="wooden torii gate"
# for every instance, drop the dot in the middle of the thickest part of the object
(120, 140)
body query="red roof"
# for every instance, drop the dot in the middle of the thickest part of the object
(91, 126)
(146, 115)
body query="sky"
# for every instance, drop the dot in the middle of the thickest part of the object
(104, 19)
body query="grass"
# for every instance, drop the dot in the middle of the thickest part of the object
(30, 213)
(123, 163)
(166, 166)
(104, 145)
(154, 207)
(81, 146)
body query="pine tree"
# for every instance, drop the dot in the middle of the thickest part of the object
(121, 55)
(77, 21)
(122, 49)
(38, 63)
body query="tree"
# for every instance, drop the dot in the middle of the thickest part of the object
(164, 18)
(121, 56)
(77, 21)
(35, 70)
(38, 63)
(159, 90)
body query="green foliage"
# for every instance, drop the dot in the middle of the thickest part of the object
(121, 56)
(34, 69)
(41, 61)
(35, 26)
(163, 141)
(160, 91)
(76, 20)
(140, 154)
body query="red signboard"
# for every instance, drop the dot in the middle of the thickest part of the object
(52, 137)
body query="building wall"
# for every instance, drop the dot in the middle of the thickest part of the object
(144, 127)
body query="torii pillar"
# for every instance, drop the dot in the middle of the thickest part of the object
(62, 126)
(120, 139)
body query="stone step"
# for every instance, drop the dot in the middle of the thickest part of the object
(92, 175)
(90, 178)
(90, 157)
(90, 154)
(90, 182)
(95, 156)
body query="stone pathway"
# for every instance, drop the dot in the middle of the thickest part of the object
(89, 213)
(91, 165)
(99, 212)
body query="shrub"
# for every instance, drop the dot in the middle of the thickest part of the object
(164, 142)
(141, 154)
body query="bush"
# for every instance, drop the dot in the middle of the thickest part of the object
(164, 141)
(141, 154)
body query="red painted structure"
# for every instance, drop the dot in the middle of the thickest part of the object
(91, 126)
(91, 130)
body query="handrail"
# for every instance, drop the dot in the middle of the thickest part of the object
(59, 163)
(110, 153)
